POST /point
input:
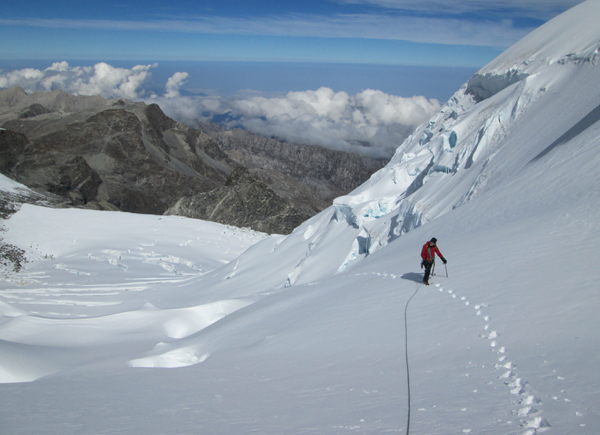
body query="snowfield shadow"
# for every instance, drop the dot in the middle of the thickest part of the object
(585, 123)
(412, 276)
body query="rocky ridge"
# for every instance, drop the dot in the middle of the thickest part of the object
(129, 156)
(244, 201)
(307, 175)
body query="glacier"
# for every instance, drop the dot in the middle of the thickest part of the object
(140, 324)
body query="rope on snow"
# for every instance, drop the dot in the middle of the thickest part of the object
(406, 355)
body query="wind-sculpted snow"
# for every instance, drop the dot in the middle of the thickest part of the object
(146, 324)
(99, 305)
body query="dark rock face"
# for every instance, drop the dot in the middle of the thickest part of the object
(119, 155)
(309, 176)
(33, 110)
(12, 145)
(125, 156)
(76, 181)
(243, 201)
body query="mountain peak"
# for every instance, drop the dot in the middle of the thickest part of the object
(574, 32)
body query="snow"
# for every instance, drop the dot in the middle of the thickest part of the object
(145, 324)
(11, 186)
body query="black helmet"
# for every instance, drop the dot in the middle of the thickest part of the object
(434, 240)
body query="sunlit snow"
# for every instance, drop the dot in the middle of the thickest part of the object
(145, 324)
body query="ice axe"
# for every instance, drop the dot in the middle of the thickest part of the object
(433, 269)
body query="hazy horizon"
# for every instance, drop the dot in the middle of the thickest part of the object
(230, 78)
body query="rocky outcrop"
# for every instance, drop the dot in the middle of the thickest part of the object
(121, 155)
(12, 145)
(33, 110)
(243, 201)
(116, 155)
(12, 258)
(308, 176)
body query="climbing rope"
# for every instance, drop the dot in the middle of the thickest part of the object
(406, 355)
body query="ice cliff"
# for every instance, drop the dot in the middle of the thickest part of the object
(450, 160)
(487, 134)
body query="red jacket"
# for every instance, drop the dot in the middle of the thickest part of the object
(429, 253)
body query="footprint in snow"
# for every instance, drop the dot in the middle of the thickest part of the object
(116, 262)
(526, 404)
(112, 252)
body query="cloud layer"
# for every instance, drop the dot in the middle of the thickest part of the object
(101, 79)
(370, 122)
(539, 9)
(426, 29)
(457, 22)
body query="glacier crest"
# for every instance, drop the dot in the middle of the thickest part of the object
(589, 56)
(484, 86)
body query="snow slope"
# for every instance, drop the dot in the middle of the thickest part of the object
(306, 333)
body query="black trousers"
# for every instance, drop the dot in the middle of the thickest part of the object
(428, 265)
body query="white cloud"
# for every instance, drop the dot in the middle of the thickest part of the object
(457, 22)
(25, 78)
(174, 83)
(434, 30)
(370, 122)
(540, 9)
(101, 79)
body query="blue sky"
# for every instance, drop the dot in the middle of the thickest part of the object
(455, 33)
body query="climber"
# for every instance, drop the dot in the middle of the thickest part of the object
(428, 256)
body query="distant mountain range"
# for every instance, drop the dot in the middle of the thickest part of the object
(102, 154)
